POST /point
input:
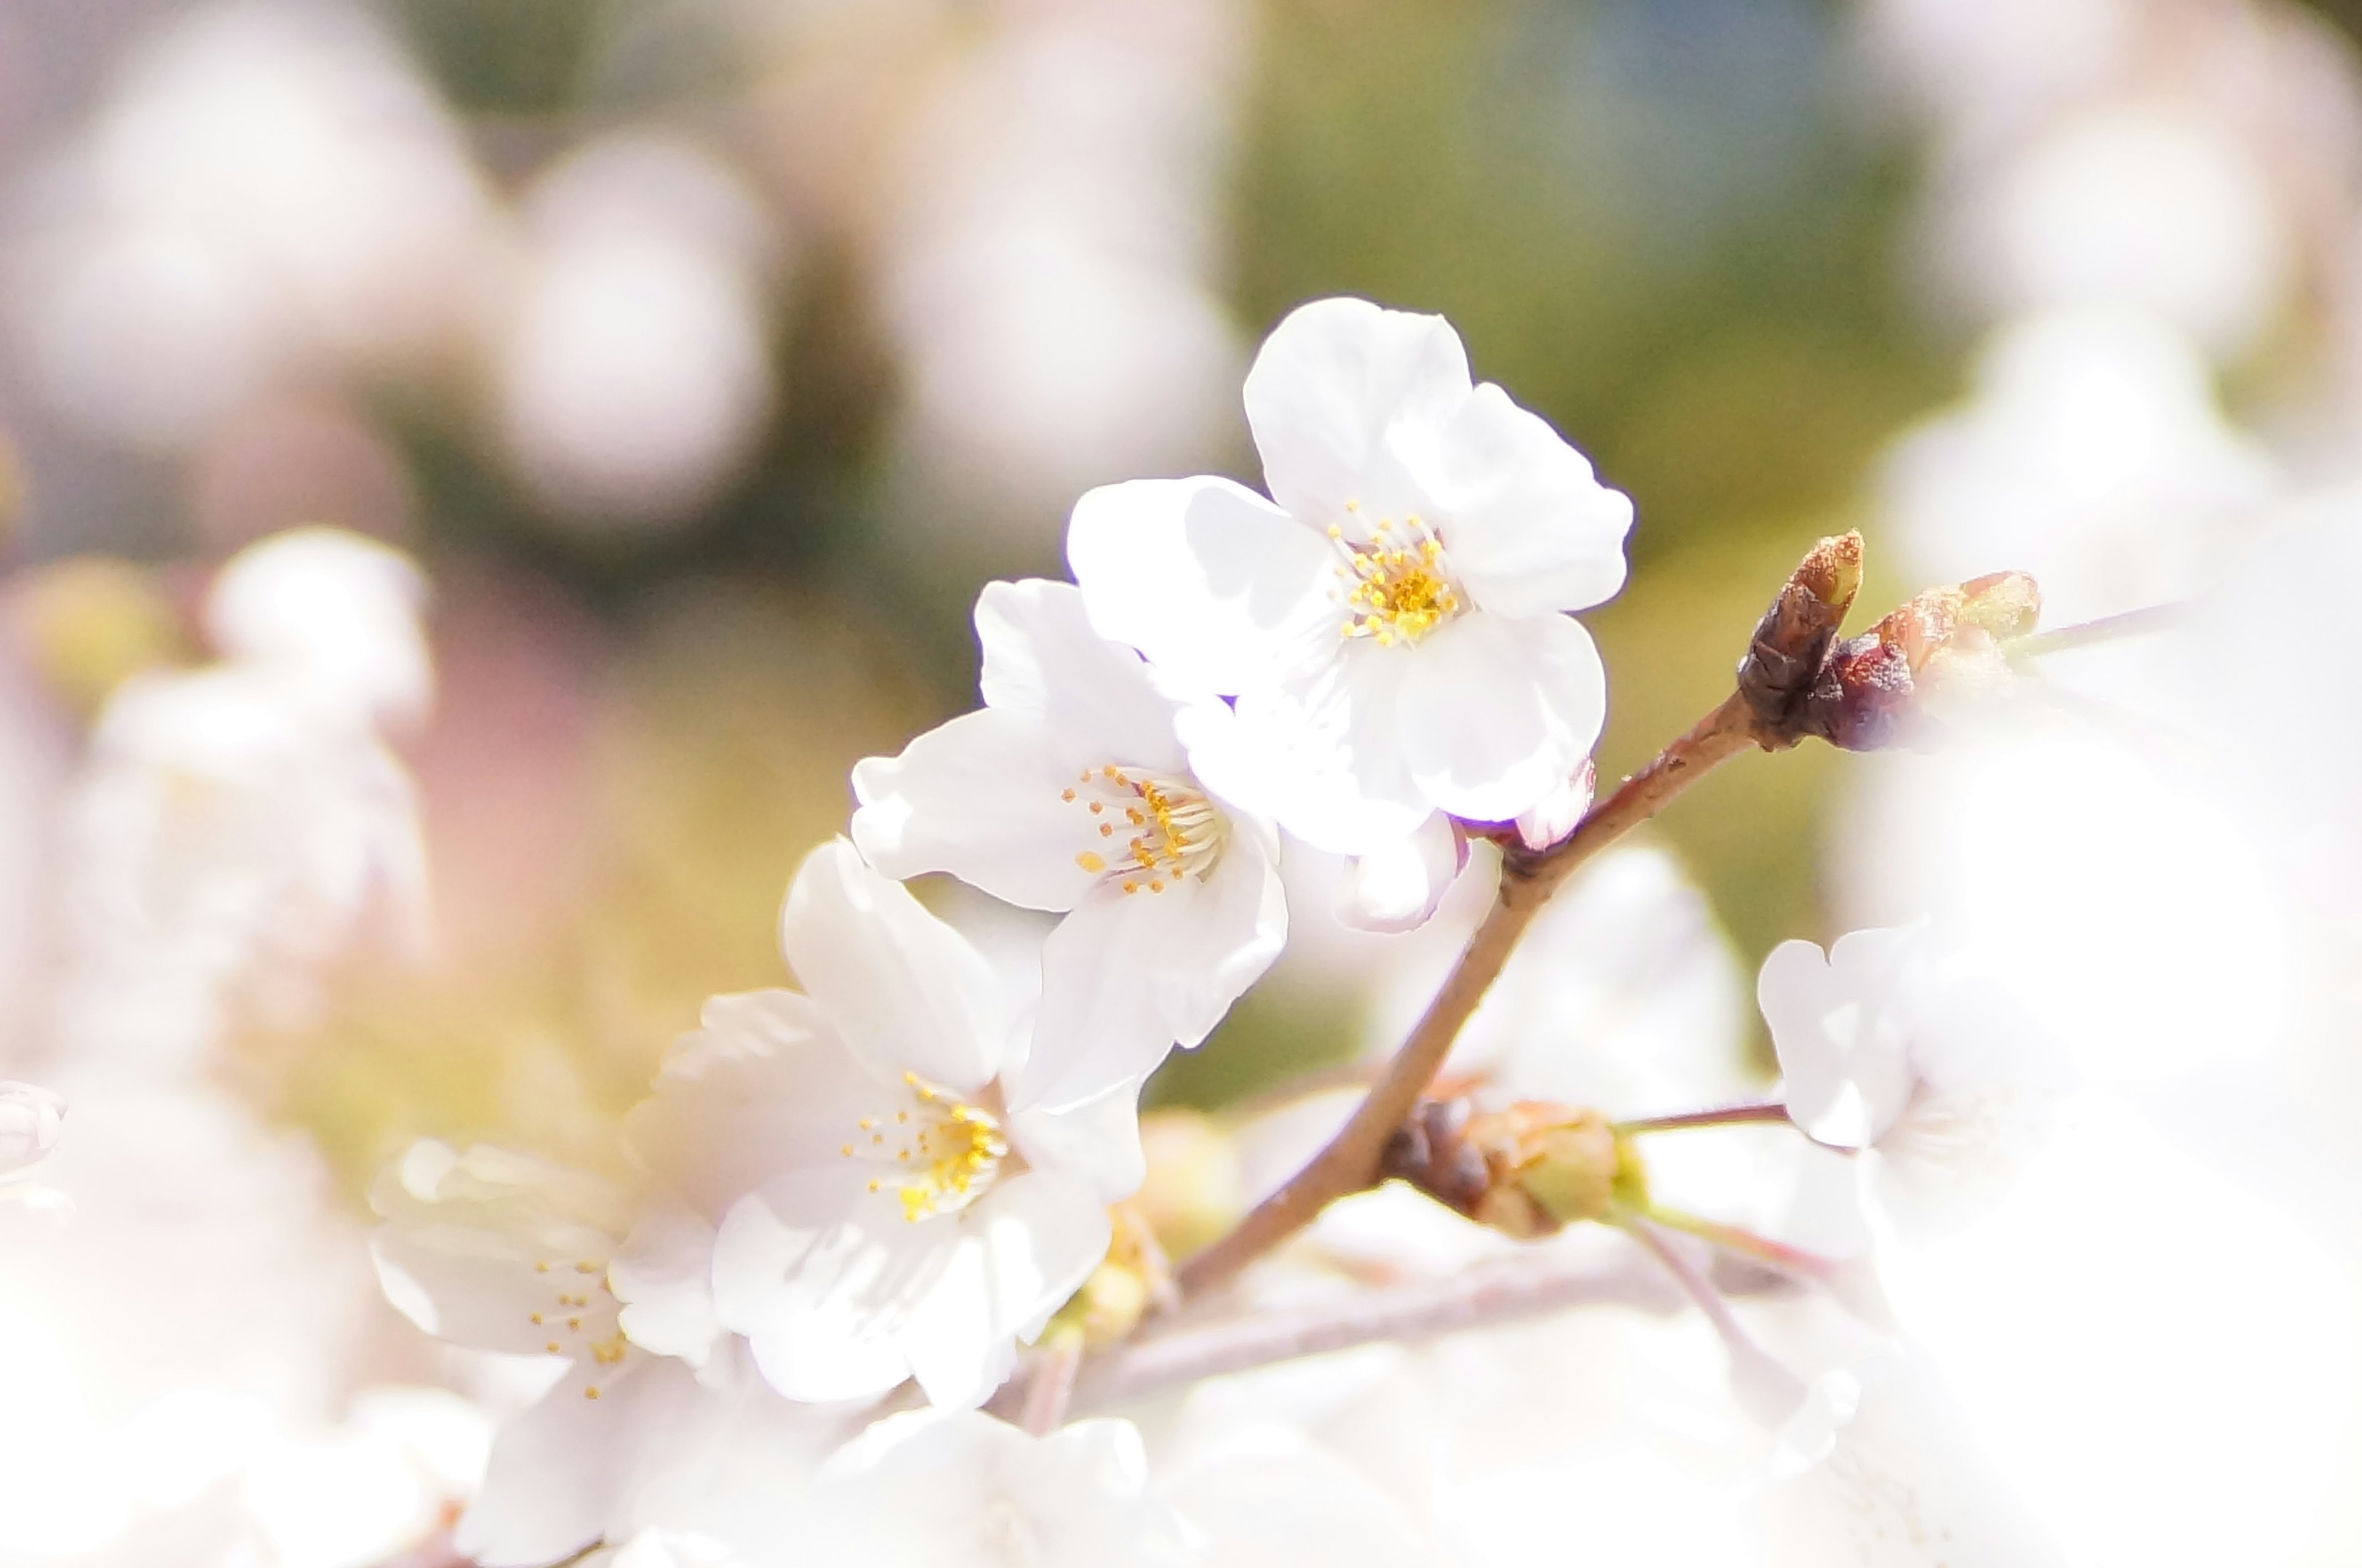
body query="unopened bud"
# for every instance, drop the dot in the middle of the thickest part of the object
(1193, 1190)
(1792, 643)
(1132, 1278)
(1526, 1171)
(1941, 643)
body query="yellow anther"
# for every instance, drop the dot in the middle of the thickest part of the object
(590, 1393)
(1090, 862)
(1394, 591)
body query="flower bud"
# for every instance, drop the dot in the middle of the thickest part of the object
(1132, 1278)
(1792, 643)
(1941, 643)
(1193, 1190)
(1526, 1171)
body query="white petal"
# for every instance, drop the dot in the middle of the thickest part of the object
(1841, 1033)
(1558, 813)
(1497, 713)
(1526, 527)
(663, 1276)
(1040, 656)
(560, 1472)
(1097, 1142)
(1127, 977)
(1048, 1231)
(1327, 758)
(1334, 381)
(821, 1304)
(1223, 592)
(960, 1349)
(981, 798)
(1398, 885)
(765, 1086)
(905, 990)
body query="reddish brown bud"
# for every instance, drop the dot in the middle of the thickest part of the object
(1792, 643)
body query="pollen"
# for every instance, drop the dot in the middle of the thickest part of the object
(950, 1153)
(1092, 862)
(1396, 589)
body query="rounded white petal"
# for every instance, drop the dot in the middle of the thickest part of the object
(1323, 757)
(1334, 394)
(1496, 714)
(1127, 977)
(1097, 1142)
(821, 1298)
(1841, 1032)
(764, 1088)
(981, 798)
(1526, 527)
(1398, 885)
(559, 1471)
(906, 992)
(1042, 656)
(663, 1276)
(485, 1248)
(1223, 592)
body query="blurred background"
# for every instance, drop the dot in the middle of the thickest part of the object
(707, 355)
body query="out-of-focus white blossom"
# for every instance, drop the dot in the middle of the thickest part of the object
(2091, 454)
(267, 187)
(234, 824)
(879, 1207)
(1887, 1476)
(1937, 1073)
(1392, 623)
(29, 1119)
(1047, 229)
(2129, 205)
(634, 375)
(1071, 792)
(931, 1486)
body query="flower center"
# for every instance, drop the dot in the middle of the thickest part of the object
(1158, 830)
(1395, 587)
(579, 1314)
(946, 1152)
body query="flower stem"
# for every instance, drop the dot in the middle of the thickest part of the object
(1718, 1116)
(1350, 1162)
(1745, 1243)
(2107, 628)
(1754, 1369)
(1052, 1383)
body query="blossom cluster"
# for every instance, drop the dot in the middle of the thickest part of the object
(899, 1174)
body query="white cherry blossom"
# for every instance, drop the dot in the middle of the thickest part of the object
(1890, 1045)
(878, 1207)
(1391, 622)
(928, 1487)
(1882, 1472)
(1070, 791)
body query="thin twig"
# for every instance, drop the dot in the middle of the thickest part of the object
(1718, 1115)
(1349, 1162)
(1501, 1291)
(2106, 629)
(1746, 1244)
(1754, 1369)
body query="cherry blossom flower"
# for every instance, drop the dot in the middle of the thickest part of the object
(1070, 791)
(932, 1486)
(1892, 1046)
(878, 1207)
(1880, 1471)
(1391, 622)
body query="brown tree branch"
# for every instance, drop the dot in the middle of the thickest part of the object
(1349, 1162)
